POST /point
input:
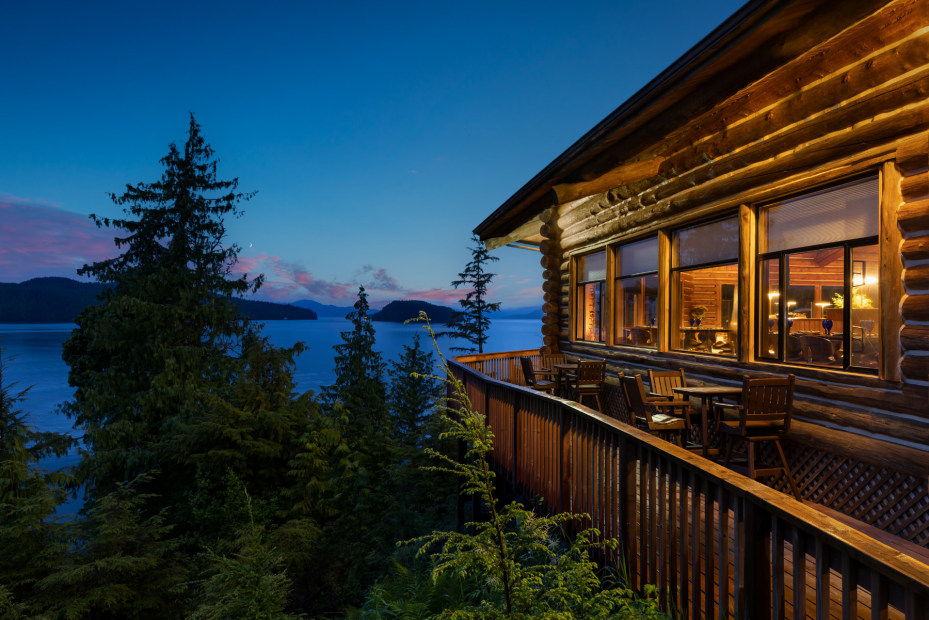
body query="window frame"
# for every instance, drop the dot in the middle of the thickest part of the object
(848, 247)
(576, 329)
(674, 285)
(616, 253)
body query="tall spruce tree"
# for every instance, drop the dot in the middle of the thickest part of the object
(171, 382)
(472, 322)
(412, 393)
(151, 356)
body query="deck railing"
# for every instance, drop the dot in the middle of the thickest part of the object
(717, 544)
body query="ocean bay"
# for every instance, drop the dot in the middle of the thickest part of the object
(32, 356)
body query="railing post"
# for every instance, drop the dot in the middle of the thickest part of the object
(754, 591)
(565, 461)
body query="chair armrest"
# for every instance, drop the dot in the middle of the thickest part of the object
(661, 396)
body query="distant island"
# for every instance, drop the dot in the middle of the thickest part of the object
(60, 300)
(400, 311)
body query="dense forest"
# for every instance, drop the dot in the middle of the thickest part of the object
(60, 300)
(214, 490)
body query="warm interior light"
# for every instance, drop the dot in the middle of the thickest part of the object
(822, 305)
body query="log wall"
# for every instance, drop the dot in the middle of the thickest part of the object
(855, 103)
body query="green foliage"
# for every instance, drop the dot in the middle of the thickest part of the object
(32, 539)
(412, 394)
(124, 564)
(518, 564)
(249, 583)
(473, 321)
(150, 357)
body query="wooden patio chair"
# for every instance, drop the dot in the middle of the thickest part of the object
(662, 384)
(763, 415)
(532, 377)
(589, 381)
(654, 414)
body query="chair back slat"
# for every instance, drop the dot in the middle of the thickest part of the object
(590, 371)
(634, 391)
(528, 373)
(663, 381)
(767, 400)
(549, 361)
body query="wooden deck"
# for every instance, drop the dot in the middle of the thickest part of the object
(715, 543)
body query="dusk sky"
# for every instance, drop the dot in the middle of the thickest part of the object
(377, 134)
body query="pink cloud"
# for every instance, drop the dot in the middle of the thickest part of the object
(286, 281)
(38, 239)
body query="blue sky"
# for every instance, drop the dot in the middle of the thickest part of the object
(377, 134)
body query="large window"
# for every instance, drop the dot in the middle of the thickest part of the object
(636, 306)
(704, 285)
(819, 280)
(588, 303)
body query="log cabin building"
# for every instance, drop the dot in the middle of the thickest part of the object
(762, 206)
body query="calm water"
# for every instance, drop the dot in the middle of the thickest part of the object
(33, 357)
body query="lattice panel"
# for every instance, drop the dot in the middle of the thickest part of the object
(889, 500)
(614, 403)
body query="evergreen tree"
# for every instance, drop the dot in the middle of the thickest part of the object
(412, 394)
(32, 539)
(359, 376)
(473, 321)
(156, 352)
(515, 564)
(123, 565)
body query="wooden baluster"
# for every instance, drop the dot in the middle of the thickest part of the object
(778, 575)
(822, 580)
(799, 573)
(722, 554)
(849, 587)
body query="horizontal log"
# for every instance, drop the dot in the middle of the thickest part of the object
(550, 330)
(548, 215)
(550, 319)
(915, 308)
(549, 308)
(816, 152)
(622, 175)
(864, 83)
(915, 337)
(885, 27)
(548, 274)
(913, 216)
(916, 278)
(551, 286)
(547, 231)
(916, 248)
(913, 154)
(915, 186)
(552, 297)
(548, 247)
(550, 341)
(748, 149)
(549, 262)
(915, 367)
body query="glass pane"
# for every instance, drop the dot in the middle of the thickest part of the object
(639, 257)
(637, 311)
(706, 310)
(814, 325)
(865, 311)
(589, 312)
(591, 267)
(850, 211)
(708, 243)
(768, 345)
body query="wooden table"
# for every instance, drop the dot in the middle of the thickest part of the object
(707, 395)
(562, 369)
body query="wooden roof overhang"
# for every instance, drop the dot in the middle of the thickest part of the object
(624, 148)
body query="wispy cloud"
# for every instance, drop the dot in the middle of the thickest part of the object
(287, 281)
(38, 239)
